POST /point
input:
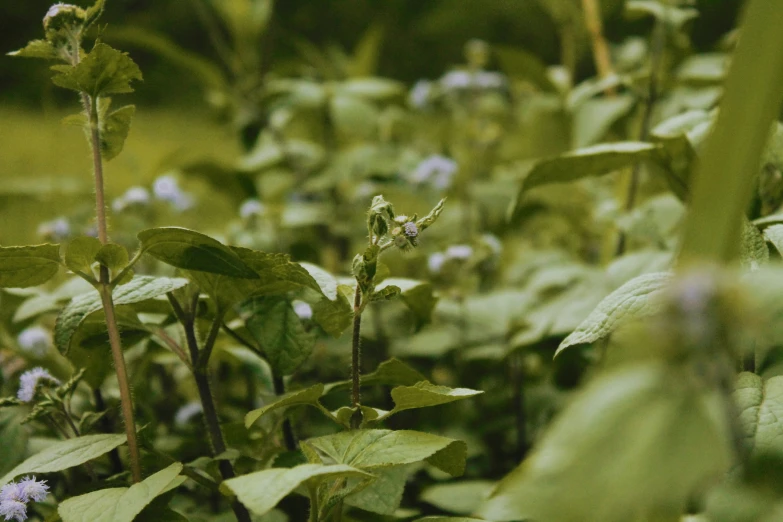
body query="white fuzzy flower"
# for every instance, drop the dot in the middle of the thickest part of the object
(14, 497)
(10, 492)
(420, 94)
(35, 340)
(456, 80)
(29, 381)
(166, 188)
(436, 169)
(303, 310)
(31, 489)
(435, 262)
(461, 252)
(251, 207)
(137, 196)
(13, 510)
(187, 413)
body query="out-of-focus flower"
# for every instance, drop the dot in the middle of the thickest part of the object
(303, 310)
(134, 196)
(30, 380)
(419, 95)
(482, 80)
(461, 252)
(251, 207)
(187, 413)
(55, 230)
(435, 262)
(166, 188)
(436, 170)
(494, 244)
(35, 340)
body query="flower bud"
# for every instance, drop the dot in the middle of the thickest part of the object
(62, 21)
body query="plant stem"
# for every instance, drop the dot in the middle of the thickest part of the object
(356, 359)
(200, 361)
(656, 59)
(106, 426)
(601, 56)
(313, 504)
(91, 105)
(288, 430)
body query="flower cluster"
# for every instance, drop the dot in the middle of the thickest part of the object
(406, 235)
(14, 497)
(30, 380)
(166, 188)
(133, 197)
(250, 208)
(34, 340)
(55, 230)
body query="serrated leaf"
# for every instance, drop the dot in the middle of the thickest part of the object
(36, 49)
(308, 396)
(274, 324)
(139, 289)
(634, 300)
(643, 437)
(24, 266)
(589, 161)
(66, 454)
(335, 316)
(118, 504)
(391, 372)
(370, 449)
(424, 395)
(102, 71)
(192, 250)
(760, 406)
(80, 253)
(115, 127)
(384, 494)
(262, 490)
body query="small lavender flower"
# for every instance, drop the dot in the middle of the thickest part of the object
(34, 340)
(29, 381)
(461, 252)
(13, 510)
(32, 489)
(420, 94)
(186, 413)
(166, 188)
(134, 196)
(462, 80)
(411, 230)
(14, 497)
(251, 207)
(303, 310)
(56, 229)
(436, 169)
(455, 80)
(489, 80)
(435, 262)
(56, 8)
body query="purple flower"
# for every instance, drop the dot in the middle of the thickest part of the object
(14, 497)
(436, 170)
(31, 489)
(34, 340)
(29, 381)
(251, 207)
(186, 413)
(13, 510)
(461, 252)
(420, 94)
(303, 310)
(435, 262)
(410, 229)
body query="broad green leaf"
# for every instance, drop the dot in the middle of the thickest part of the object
(372, 88)
(335, 316)
(80, 253)
(13, 439)
(675, 16)
(66, 454)
(589, 161)
(370, 449)
(593, 118)
(307, 396)
(462, 498)
(36, 49)
(102, 71)
(448, 519)
(774, 234)
(191, 250)
(353, 116)
(115, 127)
(754, 251)
(115, 258)
(425, 394)
(417, 295)
(24, 266)
(643, 437)
(384, 494)
(392, 372)
(119, 504)
(635, 300)
(326, 281)
(760, 405)
(139, 289)
(274, 324)
(262, 490)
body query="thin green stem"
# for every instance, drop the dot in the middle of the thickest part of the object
(313, 504)
(123, 273)
(288, 430)
(356, 359)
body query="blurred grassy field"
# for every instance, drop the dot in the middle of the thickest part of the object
(45, 167)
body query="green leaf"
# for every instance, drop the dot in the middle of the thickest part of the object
(191, 250)
(66, 454)
(115, 127)
(448, 519)
(308, 396)
(262, 490)
(384, 494)
(760, 406)
(372, 88)
(115, 258)
(643, 437)
(93, 13)
(36, 49)
(119, 504)
(80, 253)
(418, 296)
(774, 234)
(24, 266)
(459, 497)
(13, 439)
(675, 16)
(392, 372)
(102, 71)
(335, 316)
(589, 161)
(754, 251)
(371, 449)
(326, 281)
(139, 289)
(275, 325)
(635, 300)
(353, 116)
(425, 394)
